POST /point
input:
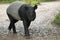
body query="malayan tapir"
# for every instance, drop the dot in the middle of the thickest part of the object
(21, 11)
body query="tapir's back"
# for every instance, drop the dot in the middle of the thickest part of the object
(13, 9)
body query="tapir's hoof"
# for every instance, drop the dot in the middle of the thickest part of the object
(14, 32)
(9, 29)
(27, 36)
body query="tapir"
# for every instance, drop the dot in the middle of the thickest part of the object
(21, 11)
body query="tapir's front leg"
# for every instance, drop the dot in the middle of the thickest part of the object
(26, 26)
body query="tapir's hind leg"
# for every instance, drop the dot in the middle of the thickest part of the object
(12, 23)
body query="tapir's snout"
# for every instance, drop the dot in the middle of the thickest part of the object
(32, 18)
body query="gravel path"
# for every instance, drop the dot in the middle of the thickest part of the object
(40, 29)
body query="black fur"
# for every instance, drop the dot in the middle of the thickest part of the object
(26, 18)
(27, 12)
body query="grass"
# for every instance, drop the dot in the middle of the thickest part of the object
(46, 0)
(31, 2)
(57, 19)
(6, 1)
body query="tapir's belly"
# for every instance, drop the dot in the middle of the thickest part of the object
(13, 9)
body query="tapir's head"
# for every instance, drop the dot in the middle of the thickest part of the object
(30, 11)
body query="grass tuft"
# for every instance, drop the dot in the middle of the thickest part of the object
(57, 19)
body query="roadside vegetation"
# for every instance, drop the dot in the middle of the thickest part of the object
(57, 19)
(31, 2)
(46, 0)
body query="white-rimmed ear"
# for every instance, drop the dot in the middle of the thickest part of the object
(35, 7)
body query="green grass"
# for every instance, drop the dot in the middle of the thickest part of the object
(57, 19)
(6, 1)
(31, 2)
(46, 0)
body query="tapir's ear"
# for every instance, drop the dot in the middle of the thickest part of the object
(35, 7)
